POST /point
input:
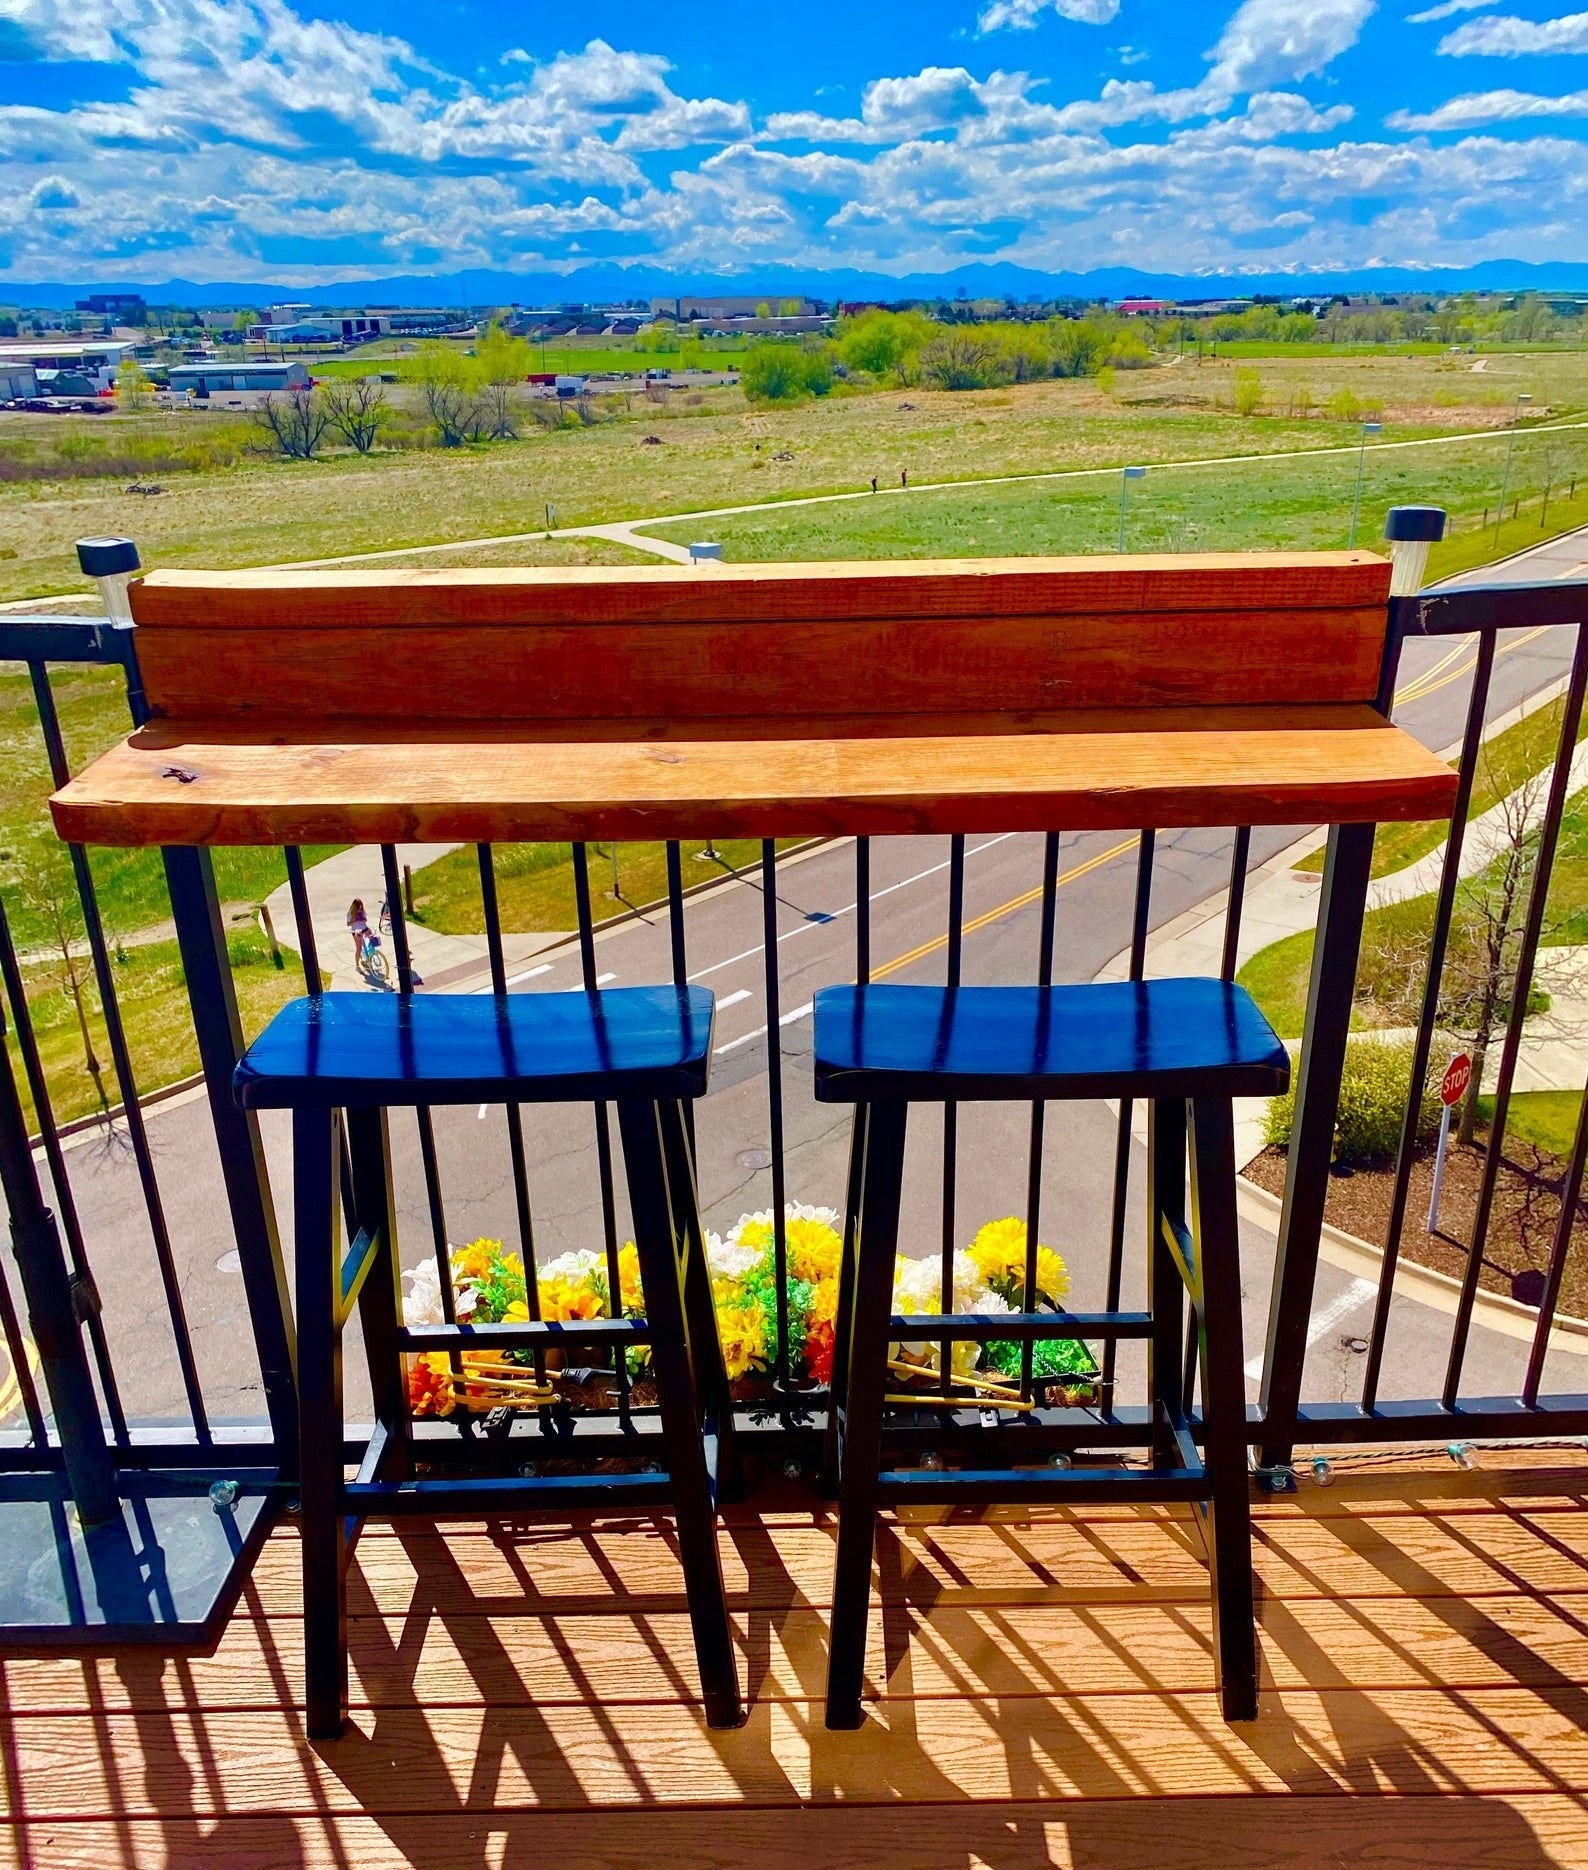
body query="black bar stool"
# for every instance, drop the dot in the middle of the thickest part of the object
(1188, 1046)
(646, 1049)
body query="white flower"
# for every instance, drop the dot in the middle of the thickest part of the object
(918, 1291)
(575, 1266)
(729, 1260)
(422, 1300)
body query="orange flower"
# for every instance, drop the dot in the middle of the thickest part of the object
(430, 1390)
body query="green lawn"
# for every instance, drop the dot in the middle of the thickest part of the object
(535, 882)
(1296, 504)
(151, 992)
(1548, 1118)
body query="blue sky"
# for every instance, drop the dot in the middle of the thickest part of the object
(301, 140)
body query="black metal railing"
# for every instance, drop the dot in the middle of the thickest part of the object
(75, 1421)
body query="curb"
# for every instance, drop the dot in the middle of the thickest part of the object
(1421, 1283)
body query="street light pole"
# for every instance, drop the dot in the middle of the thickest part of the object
(1127, 475)
(1510, 451)
(1368, 428)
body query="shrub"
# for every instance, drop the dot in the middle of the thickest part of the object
(1248, 392)
(780, 372)
(1372, 1108)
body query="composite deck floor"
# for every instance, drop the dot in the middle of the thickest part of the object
(1041, 1694)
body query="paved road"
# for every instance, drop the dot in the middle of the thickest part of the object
(816, 917)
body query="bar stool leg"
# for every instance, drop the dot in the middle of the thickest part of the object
(380, 1297)
(1166, 1166)
(1225, 1438)
(705, 1345)
(860, 1414)
(314, 1167)
(844, 1315)
(641, 1127)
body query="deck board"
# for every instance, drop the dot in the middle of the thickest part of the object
(525, 1691)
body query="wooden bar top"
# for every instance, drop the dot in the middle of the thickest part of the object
(191, 783)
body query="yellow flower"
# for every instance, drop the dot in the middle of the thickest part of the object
(999, 1255)
(631, 1291)
(742, 1328)
(814, 1250)
(473, 1262)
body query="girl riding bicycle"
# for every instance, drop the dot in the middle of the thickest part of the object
(358, 927)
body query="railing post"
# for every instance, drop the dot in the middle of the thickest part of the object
(52, 1315)
(196, 909)
(1334, 958)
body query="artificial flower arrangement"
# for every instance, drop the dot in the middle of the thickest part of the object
(489, 1286)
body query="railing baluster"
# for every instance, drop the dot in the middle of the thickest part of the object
(1039, 1110)
(862, 910)
(1549, 837)
(121, 1058)
(65, 1201)
(603, 1123)
(1427, 1018)
(308, 948)
(1140, 918)
(1240, 857)
(774, 1100)
(1570, 1195)
(428, 1158)
(954, 959)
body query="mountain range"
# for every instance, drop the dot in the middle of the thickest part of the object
(608, 283)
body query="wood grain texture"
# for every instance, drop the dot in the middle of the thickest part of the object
(218, 785)
(522, 1693)
(1297, 1833)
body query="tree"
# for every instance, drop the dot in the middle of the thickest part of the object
(778, 372)
(295, 419)
(883, 343)
(448, 387)
(358, 410)
(961, 359)
(133, 385)
(1248, 392)
(501, 363)
(48, 887)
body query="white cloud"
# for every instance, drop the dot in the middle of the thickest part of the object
(1482, 107)
(1024, 14)
(1272, 42)
(1445, 9)
(1505, 36)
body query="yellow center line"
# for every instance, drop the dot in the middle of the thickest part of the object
(1004, 909)
(1419, 690)
(1458, 648)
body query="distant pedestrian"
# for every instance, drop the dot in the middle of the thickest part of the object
(904, 477)
(873, 483)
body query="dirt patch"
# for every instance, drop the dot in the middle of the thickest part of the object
(1522, 1225)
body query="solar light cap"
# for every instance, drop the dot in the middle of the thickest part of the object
(106, 558)
(1415, 523)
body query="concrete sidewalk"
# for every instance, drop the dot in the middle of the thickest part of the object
(357, 871)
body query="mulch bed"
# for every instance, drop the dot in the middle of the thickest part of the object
(1521, 1227)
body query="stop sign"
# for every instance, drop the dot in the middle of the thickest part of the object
(1458, 1075)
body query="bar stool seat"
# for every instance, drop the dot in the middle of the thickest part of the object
(1187, 1046)
(339, 1062)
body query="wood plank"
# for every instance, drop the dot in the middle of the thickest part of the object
(597, 1569)
(762, 593)
(1232, 766)
(689, 671)
(518, 1659)
(1501, 1741)
(1260, 1833)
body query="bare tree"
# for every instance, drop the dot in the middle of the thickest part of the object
(49, 889)
(357, 409)
(295, 419)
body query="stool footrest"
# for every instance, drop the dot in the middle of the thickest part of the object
(468, 1497)
(1077, 1486)
(1019, 1326)
(578, 1334)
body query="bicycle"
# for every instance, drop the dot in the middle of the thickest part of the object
(372, 962)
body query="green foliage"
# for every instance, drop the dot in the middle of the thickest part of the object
(884, 344)
(779, 372)
(1248, 392)
(1372, 1107)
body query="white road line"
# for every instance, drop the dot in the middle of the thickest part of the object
(733, 999)
(876, 896)
(482, 1113)
(514, 979)
(602, 979)
(1355, 1295)
(788, 1019)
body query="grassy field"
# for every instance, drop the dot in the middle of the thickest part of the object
(607, 356)
(713, 451)
(535, 882)
(151, 994)
(1548, 1118)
